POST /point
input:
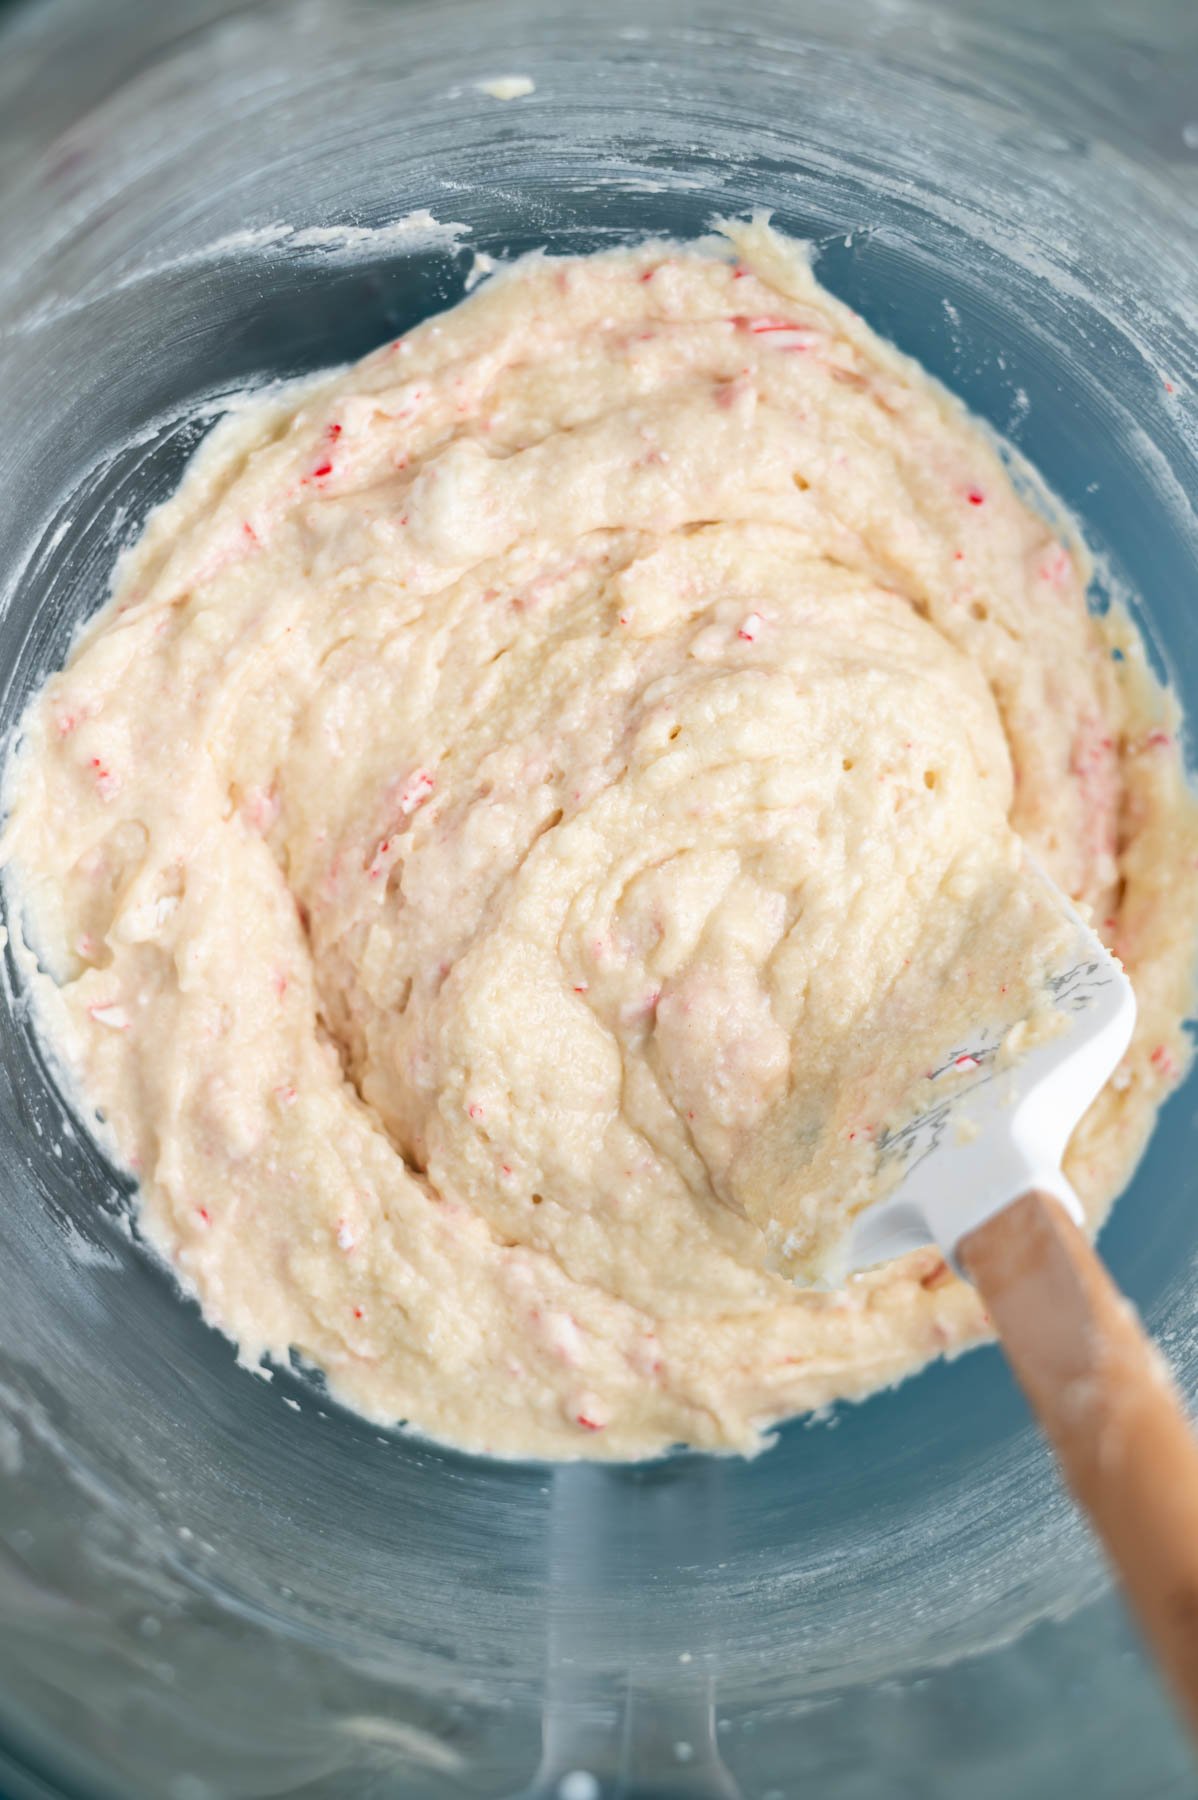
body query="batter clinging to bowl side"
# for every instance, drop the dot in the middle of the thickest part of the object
(511, 783)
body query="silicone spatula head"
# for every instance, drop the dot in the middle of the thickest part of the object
(991, 1118)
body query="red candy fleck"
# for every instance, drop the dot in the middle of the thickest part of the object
(475, 1110)
(1162, 1060)
(111, 1014)
(975, 497)
(333, 432)
(323, 469)
(249, 531)
(967, 1062)
(738, 274)
(760, 326)
(1157, 740)
(204, 1214)
(375, 867)
(589, 1424)
(106, 781)
(415, 791)
(357, 1312)
(648, 274)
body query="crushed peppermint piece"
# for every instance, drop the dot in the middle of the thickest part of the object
(115, 1017)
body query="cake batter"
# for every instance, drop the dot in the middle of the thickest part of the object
(532, 789)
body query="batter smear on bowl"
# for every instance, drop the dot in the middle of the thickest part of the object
(519, 793)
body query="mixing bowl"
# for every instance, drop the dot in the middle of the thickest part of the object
(214, 1584)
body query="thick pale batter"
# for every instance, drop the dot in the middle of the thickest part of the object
(529, 790)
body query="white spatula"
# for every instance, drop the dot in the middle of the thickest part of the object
(981, 1178)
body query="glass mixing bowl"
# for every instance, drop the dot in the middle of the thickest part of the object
(214, 1585)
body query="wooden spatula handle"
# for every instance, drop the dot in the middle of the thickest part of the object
(1107, 1403)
